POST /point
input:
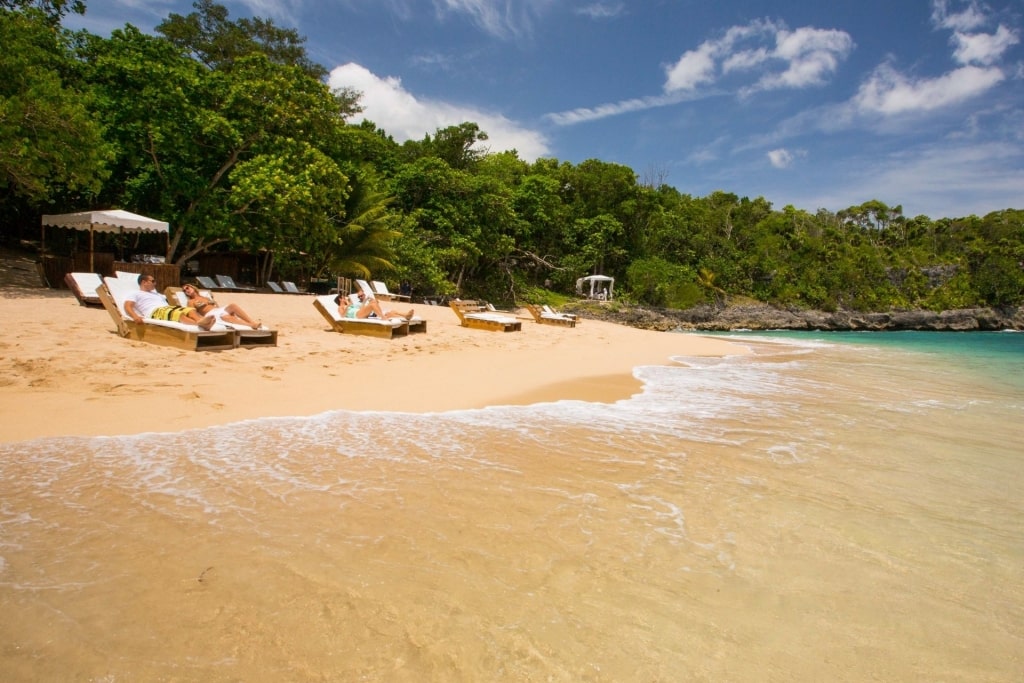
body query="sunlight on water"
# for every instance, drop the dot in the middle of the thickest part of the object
(811, 512)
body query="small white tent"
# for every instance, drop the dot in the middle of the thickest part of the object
(600, 286)
(111, 220)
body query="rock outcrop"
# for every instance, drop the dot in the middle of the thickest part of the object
(764, 317)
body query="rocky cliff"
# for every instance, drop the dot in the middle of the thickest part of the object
(764, 317)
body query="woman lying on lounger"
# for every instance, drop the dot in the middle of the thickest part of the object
(231, 313)
(367, 308)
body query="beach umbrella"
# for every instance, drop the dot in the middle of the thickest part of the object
(109, 220)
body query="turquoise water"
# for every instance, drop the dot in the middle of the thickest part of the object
(829, 507)
(999, 354)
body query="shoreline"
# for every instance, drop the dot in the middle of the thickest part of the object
(67, 373)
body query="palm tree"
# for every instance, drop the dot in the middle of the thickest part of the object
(706, 279)
(364, 240)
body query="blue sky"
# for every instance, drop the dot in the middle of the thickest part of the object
(803, 102)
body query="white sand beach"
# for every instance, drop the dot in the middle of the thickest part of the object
(67, 372)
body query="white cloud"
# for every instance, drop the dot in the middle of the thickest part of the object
(405, 117)
(694, 68)
(983, 48)
(889, 92)
(806, 57)
(937, 180)
(583, 114)
(286, 11)
(780, 158)
(811, 55)
(601, 10)
(500, 18)
(971, 17)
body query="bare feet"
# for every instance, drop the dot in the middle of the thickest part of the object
(412, 312)
(256, 325)
(207, 322)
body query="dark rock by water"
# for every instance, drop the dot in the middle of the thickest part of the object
(755, 316)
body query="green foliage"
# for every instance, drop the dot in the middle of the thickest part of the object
(225, 129)
(208, 36)
(52, 11)
(657, 282)
(50, 145)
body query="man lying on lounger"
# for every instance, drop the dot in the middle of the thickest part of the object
(148, 303)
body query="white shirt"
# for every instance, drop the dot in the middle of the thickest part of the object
(147, 302)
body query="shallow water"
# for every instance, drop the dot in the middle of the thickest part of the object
(814, 511)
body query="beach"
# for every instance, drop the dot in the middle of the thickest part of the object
(591, 504)
(66, 372)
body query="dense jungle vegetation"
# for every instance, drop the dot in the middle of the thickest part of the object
(227, 130)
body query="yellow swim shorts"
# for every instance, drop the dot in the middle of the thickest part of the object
(172, 313)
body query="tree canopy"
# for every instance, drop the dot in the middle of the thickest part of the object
(226, 129)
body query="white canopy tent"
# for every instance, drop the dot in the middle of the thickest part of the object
(110, 220)
(600, 286)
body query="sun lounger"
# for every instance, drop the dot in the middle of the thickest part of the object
(373, 327)
(366, 289)
(275, 288)
(549, 317)
(572, 316)
(417, 325)
(290, 288)
(227, 283)
(475, 315)
(207, 283)
(381, 290)
(84, 286)
(247, 336)
(113, 294)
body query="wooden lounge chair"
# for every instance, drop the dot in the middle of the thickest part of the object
(227, 283)
(549, 317)
(84, 286)
(278, 289)
(381, 290)
(247, 336)
(208, 283)
(474, 315)
(417, 325)
(372, 327)
(165, 333)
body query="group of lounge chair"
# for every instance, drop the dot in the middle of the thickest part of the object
(378, 290)
(111, 293)
(284, 288)
(481, 316)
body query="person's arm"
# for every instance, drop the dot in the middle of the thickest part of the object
(129, 308)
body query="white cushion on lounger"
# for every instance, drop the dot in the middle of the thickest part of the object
(496, 317)
(87, 283)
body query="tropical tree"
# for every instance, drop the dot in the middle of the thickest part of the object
(49, 142)
(185, 133)
(52, 10)
(208, 36)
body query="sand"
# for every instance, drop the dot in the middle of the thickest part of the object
(66, 372)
